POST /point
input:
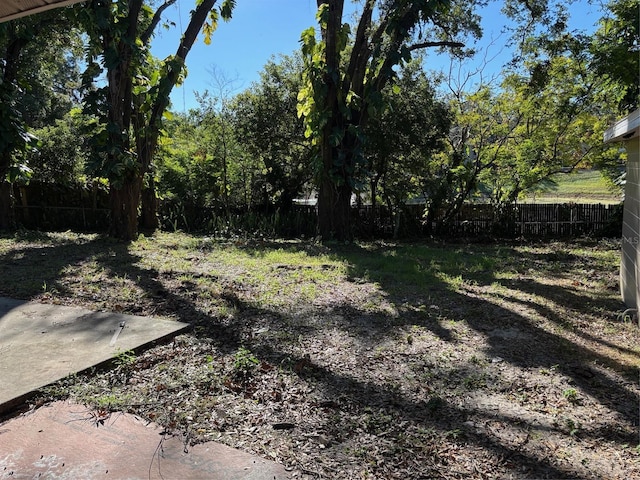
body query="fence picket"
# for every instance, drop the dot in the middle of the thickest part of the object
(54, 208)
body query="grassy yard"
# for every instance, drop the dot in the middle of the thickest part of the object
(580, 186)
(364, 361)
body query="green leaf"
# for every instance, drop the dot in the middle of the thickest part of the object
(20, 172)
(308, 41)
(226, 10)
(336, 137)
(322, 15)
(207, 29)
(343, 37)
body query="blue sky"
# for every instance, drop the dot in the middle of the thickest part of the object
(261, 29)
(239, 48)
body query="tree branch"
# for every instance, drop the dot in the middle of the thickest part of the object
(166, 84)
(360, 51)
(417, 46)
(154, 22)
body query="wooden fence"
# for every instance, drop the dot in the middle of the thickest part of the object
(60, 208)
(50, 206)
(536, 220)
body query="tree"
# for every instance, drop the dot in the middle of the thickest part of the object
(404, 140)
(616, 47)
(560, 109)
(546, 117)
(267, 125)
(61, 152)
(200, 162)
(220, 157)
(343, 85)
(217, 112)
(184, 171)
(137, 95)
(37, 40)
(13, 134)
(556, 123)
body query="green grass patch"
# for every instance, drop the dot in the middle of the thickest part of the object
(580, 186)
(417, 266)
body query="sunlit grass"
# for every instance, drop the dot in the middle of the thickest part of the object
(581, 186)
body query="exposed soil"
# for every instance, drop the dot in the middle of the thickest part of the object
(456, 361)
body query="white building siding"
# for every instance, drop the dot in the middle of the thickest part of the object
(628, 131)
(630, 261)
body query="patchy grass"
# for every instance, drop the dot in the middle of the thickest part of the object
(580, 186)
(371, 360)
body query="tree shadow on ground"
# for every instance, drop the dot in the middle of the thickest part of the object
(36, 273)
(339, 391)
(511, 335)
(518, 339)
(423, 290)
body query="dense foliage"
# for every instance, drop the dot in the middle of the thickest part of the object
(616, 51)
(354, 117)
(36, 88)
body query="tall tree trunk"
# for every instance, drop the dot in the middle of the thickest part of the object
(8, 90)
(147, 141)
(7, 212)
(124, 200)
(124, 189)
(334, 199)
(334, 211)
(149, 212)
(146, 145)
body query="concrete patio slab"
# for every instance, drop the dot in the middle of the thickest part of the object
(41, 344)
(66, 441)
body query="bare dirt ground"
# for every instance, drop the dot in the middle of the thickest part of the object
(364, 361)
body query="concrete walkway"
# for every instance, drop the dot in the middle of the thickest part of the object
(41, 344)
(68, 441)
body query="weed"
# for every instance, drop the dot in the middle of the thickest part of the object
(477, 360)
(358, 452)
(434, 404)
(549, 371)
(377, 422)
(61, 388)
(124, 358)
(454, 434)
(315, 296)
(475, 381)
(573, 426)
(455, 282)
(244, 362)
(571, 395)
(111, 401)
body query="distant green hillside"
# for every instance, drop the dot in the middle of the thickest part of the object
(580, 186)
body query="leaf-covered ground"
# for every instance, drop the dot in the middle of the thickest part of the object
(377, 360)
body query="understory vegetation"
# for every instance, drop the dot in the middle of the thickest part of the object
(365, 360)
(356, 115)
